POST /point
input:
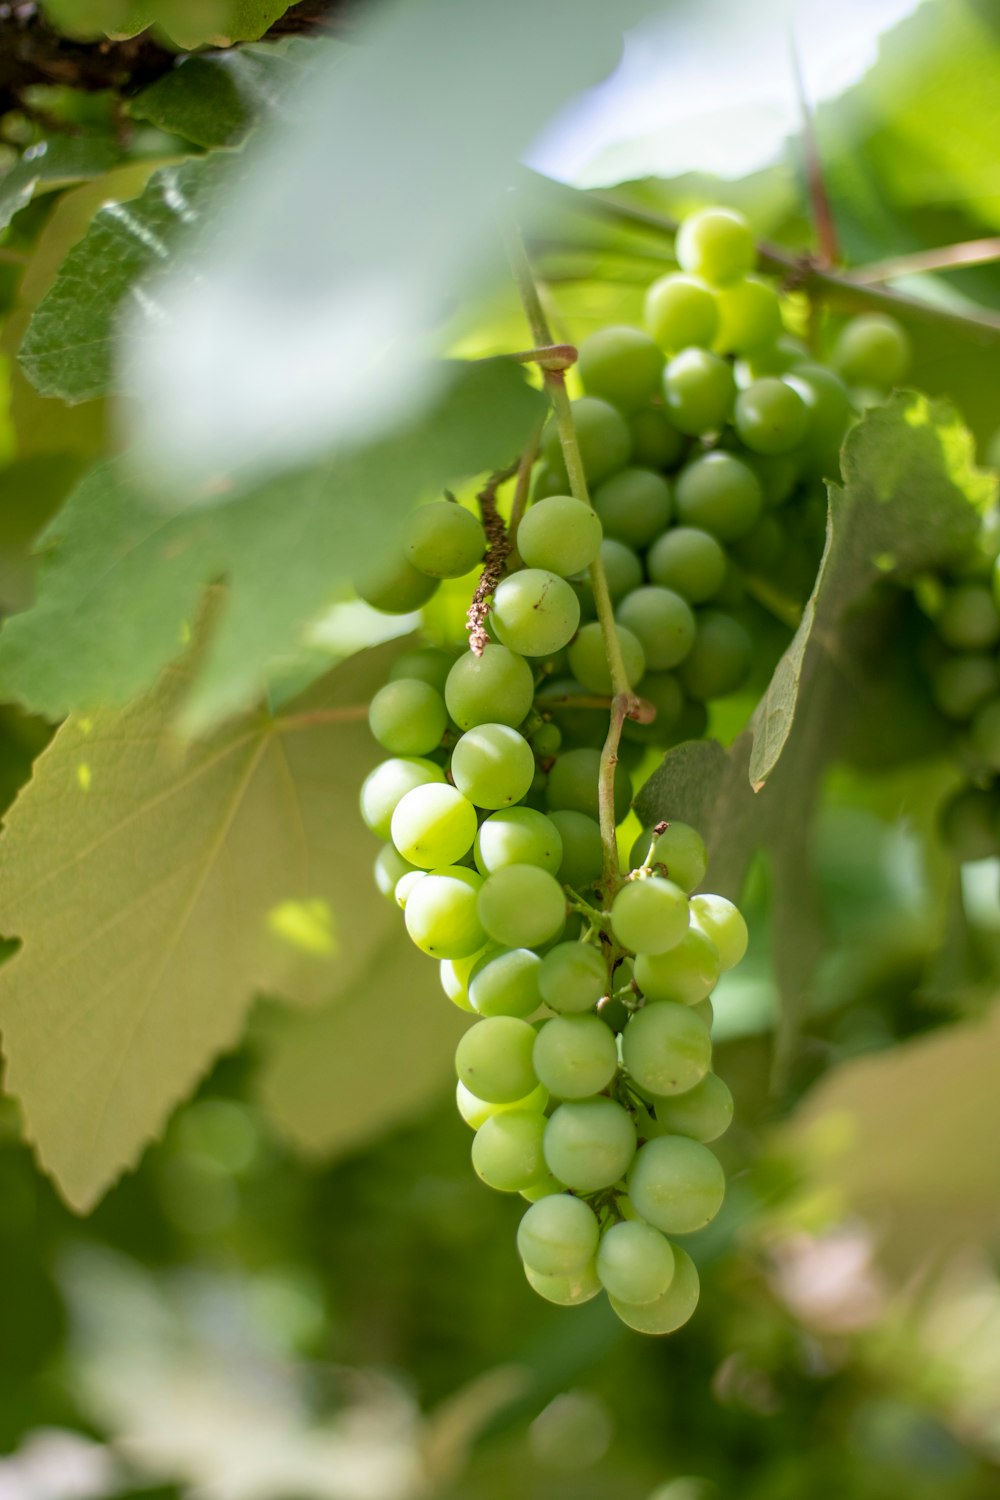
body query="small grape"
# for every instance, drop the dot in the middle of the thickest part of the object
(872, 350)
(703, 1113)
(495, 688)
(720, 659)
(522, 906)
(634, 506)
(507, 1150)
(575, 1056)
(404, 885)
(685, 974)
(383, 788)
(620, 364)
(433, 825)
(960, 684)
(583, 852)
(475, 1112)
(430, 664)
(622, 568)
(635, 1262)
(969, 619)
(719, 494)
(602, 435)
(749, 317)
(649, 915)
(573, 784)
(589, 663)
(546, 742)
(572, 977)
(723, 925)
(970, 823)
(698, 388)
(662, 622)
(656, 443)
(560, 534)
(661, 691)
(393, 585)
(492, 765)
(770, 416)
(493, 1059)
(535, 612)
(558, 1235)
(688, 561)
(505, 983)
(679, 851)
(829, 410)
(444, 540)
(715, 243)
(681, 311)
(518, 836)
(669, 1311)
(675, 1184)
(455, 974)
(565, 1291)
(666, 1048)
(441, 915)
(390, 867)
(589, 1144)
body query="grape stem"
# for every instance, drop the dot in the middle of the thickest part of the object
(624, 702)
(548, 357)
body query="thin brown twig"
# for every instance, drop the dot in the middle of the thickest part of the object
(549, 357)
(943, 258)
(819, 198)
(495, 561)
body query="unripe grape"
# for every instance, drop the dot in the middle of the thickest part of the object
(635, 1261)
(558, 1235)
(703, 1113)
(969, 619)
(522, 906)
(507, 1150)
(565, 1291)
(622, 568)
(749, 317)
(723, 925)
(662, 622)
(433, 825)
(589, 1144)
(634, 506)
(441, 915)
(455, 974)
(685, 974)
(589, 663)
(829, 412)
(383, 788)
(475, 1112)
(505, 983)
(720, 659)
(649, 915)
(679, 851)
(430, 664)
(518, 836)
(444, 540)
(620, 364)
(493, 1059)
(560, 534)
(407, 717)
(872, 350)
(656, 443)
(602, 436)
(970, 823)
(676, 1184)
(495, 688)
(661, 692)
(719, 494)
(390, 867)
(575, 1056)
(492, 765)
(572, 977)
(715, 243)
(666, 1048)
(680, 312)
(672, 1309)
(392, 584)
(404, 885)
(583, 852)
(689, 561)
(770, 416)
(960, 684)
(535, 612)
(698, 389)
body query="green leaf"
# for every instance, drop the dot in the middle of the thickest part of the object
(31, 491)
(335, 1079)
(187, 25)
(156, 890)
(53, 164)
(285, 548)
(215, 100)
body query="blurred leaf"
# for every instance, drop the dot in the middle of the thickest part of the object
(53, 164)
(152, 888)
(186, 23)
(216, 99)
(285, 548)
(31, 490)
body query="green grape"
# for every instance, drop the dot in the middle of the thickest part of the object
(986, 733)
(698, 388)
(589, 662)
(763, 546)
(383, 788)
(719, 494)
(575, 1056)
(749, 317)
(559, 534)
(573, 782)
(681, 311)
(684, 975)
(688, 561)
(505, 983)
(706, 1010)
(558, 1235)
(475, 1112)
(723, 925)
(522, 906)
(715, 243)
(549, 481)
(565, 1291)
(719, 662)
(455, 974)
(661, 691)
(622, 568)
(493, 1059)
(572, 977)
(959, 684)
(671, 1310)
(492, 765)
(621, 364)
(675, 1184)
(392, 584)
(444, 540)
(495, 688)
(777, 474)
(390, 867)
(507, 1150)
(579, 726)
(518, 836)
(656, 443)
(430, 664)
(829, 410)
(545, 1187)
(649, 915)
(703, 1113)
(589, 1144)
(969, 619)
(772, 359)
(545, 742)
(433, 825)
(635, 1262)
(602, 436)
(634, 506)
(770, 416)
(404, 885)
(872, 350)
(679, 852)
(666, 1048)
(583, 852)
(970, 823)
(441, 915)
(535, 612)
(662, 622)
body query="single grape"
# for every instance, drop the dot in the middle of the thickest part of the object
(443, 540)
(675, 1184)
(685, 974)
(986, 733)
(383, 788)
(620, 364)
(829, 411)
(455, 974)
(872, 350)
(565, 1291)
(720, 659)
(749, 317)
(392, 584)
(960, 684)
(404, 885)
(429, 664)
(662, 622)
(583, 852)
(681, 311)
(634, 506)
(679, 851)
(589, 1144)
(703, 1113)
(770, 416)
(666, 1048)
(390, 867)
(507, 1150)
(969, 618)
(493, 1059)
(495, 688)
(573, 782)
(522, 906)
(688, 561)
(559, 534)
(622, 568)
(441, 915)
(475, 1112)
(715, 243)
(698, 388)
(545, 742)
(433, 825)
(635, 1261)
(535, 612)
(492, 765)
(649, 915)
(589, 663)
(558, 1235)
(661, 691)
(723, 925)
(505, 983)
(656, 443)
(518, 836)
(575, 1056)
(719, 494)
(572, 977)
(672, 1309)
(602, 435)
(970, 823)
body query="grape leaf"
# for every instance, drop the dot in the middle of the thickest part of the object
(53, 164)
(120, 581)
(215, 100)
(155, 890)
